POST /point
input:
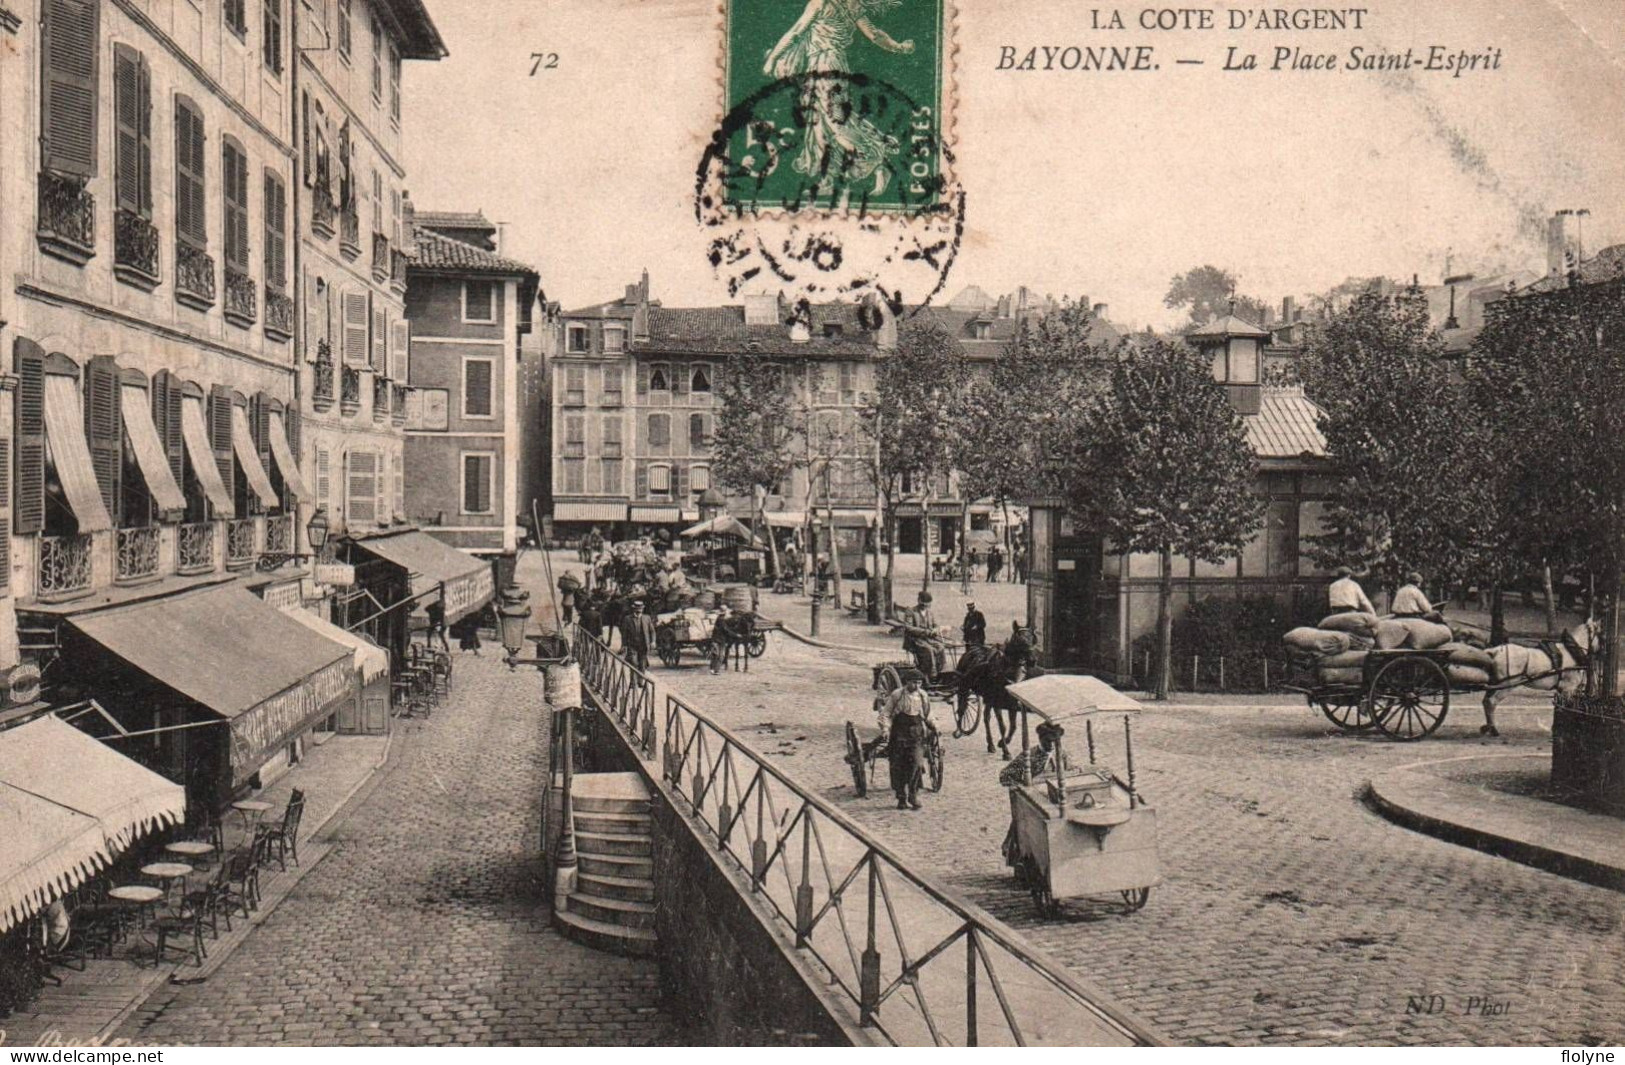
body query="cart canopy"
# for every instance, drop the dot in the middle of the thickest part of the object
(1062, 697)
(721, 525)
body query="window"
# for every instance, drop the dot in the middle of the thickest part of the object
(575, 386)
(271, 47)
(699, 479)
(275, 206)
(849, 382)
(612, 438)
(394, 84)
(478, 371)
(700, 378)
(613, 378)
(234, 177)
(377, 201)
(324, 478)
(575, 339)
(613, 485)
(575, 436)
(614, 339)
(354, 309)
(659, 431)
(344, 30)
(699, 436)
(132, 124)
(236, 16)
(478, 470)
(190, 202)
(479, 301)
(377, 62)
(832, 329)
(660, 377)
(575, 472)
(68, 119)
(660, 479)
(361, 489)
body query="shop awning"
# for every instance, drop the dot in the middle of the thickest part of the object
(656, 514)
(286, 464)
(248, 457)
(721, 525)
(786, 519)
(234, 654)
(68, 805)
(65, 433)
(468, 581)
(149, 450)
(371, 661)
(201, 456)
(589, 511)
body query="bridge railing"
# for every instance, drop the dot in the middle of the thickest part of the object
(920, 966)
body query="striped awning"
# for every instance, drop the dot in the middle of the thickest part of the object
(149, 450)
(68, 805)
(371, 661)
(70, 455)
(589, 511)
(248, 456)
(656, 514)
(286, 464)
(201, 455)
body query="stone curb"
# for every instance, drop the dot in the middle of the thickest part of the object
(1531, 831)
(812, 642)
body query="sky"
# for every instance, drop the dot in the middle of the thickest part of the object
(1090, 185)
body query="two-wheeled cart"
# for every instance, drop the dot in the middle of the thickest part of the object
(1403, 693)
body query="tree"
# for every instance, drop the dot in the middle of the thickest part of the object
(1159, 464)
(752, 444)
(1205, 293)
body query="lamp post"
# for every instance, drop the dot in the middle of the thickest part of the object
(316, 531)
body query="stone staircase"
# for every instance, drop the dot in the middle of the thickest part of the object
(612, 907)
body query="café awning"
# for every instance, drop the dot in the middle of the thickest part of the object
(656, 514)
(149, 450)
(428, 562)
(68, 805)
(371, 661)
(721, 525)
(248, 457)
(589, 511)
(234, 654)
(70, 455)
(201, 456)
(286, 464)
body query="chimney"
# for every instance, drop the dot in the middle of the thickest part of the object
(762, 309)
(502, 238)
(1100, 312)
(1269, 317)
(1288, 310)
(886, 331)
(1004, 307)
(409, 230)
(638, 296)
(1562, 243)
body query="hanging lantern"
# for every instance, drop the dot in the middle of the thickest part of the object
(512, 616)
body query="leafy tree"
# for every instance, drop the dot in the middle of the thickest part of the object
(753, 441)
(1205, 293)
(1159, 463)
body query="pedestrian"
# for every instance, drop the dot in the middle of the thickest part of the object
(974, 627)
(910, 718)
(637, 636)
(1022, 562)
(995, 562)
(437, 625)
(975, 563)
(468, 635)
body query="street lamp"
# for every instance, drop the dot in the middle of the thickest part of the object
(316, 530)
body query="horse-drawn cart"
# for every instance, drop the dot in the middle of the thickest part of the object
(1081, 829)
(941, 684)
(696, 629)
(1404, 693)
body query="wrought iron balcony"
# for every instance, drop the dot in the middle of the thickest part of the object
(279, 535)
(397, 404)
(240, 542)
(135, 250)
(380, 257)
(241, 298)
(194, 276)
(278, 314)
(137, 553)
(380, 398)
(397, 268)
(350, 390)
(195, 547)
(350, 232)
(64, 565)
(321, 392)
(67, 218)
(323, 211)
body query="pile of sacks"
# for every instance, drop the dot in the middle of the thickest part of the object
(1340, 643)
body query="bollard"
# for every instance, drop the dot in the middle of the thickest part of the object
(817, 602)
(1221, 672)
(1196, 672)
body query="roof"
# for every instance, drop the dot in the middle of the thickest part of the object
(1229, 326)
(453, 220)
(982, 336)
(1286, 425)
(438, 252)
(1606, 265)
(419, 37)
(723, 330)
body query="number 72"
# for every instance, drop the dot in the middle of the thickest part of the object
(543, 61)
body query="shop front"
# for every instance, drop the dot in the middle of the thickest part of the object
(399, 574)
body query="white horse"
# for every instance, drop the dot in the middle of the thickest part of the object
(1558, 666)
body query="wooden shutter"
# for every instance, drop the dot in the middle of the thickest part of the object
(316, 294)
(275, 206)
(477, 400)
(400, 346)
(381, 491)
(5, 515)
(361, 489)
(69, 45)
(166, 418)
(259, 427)
(273, 35)
(679, 378)
(29, 414)
(132, 131)
(679, 477)
(641, 483)
(104, 430)
(220, 434)
(324, 479)
(293, 430)
(380, 339)
(398, 463)
(190, 201)
(355, 328)
(234, 181)
(643, 378)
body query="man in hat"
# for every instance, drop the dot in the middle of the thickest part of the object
(922, 640)
(1345, 594)
(974, 626)
(910, 710)
(637, 636)
(1411, 602)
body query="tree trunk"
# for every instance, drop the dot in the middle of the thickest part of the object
(891, 561)
(1009, 548)
(964, 546)
(834, 553)
(1165, 625)
(1551, 600)
(767, 530)
(1610, 638)
(1498, 617)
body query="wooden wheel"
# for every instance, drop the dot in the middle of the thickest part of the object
(1410, 697)
(1346, 712)
(966, 722)
(757, 647)
(666, 646)
(1135, 899)
(934, 762)
(889, 680)
(854, 758)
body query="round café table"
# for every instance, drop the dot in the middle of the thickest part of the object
(190, 848)
(251, 810)
(168, 872)
(140, 898)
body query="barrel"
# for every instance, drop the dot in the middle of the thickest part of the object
(706, 600)
(736, 597)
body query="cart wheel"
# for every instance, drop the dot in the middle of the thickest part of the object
(1134, 899)
(854, 757)
(966, 723)
(1347, 714)
(889, 679)
(935, 761)
(1410, 697)
(1033, 877)
(757, 647)
(666, 647)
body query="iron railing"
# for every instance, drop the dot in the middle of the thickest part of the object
(279, 535)
(64, 565)
(67, 217)
(239, 541)
(380, 398)
(349, 389)
(323, 211)
(194, 544)
(380, 257)
(278, 313)
(350, 232)
(321, 390)
(135, 248)
(137, 553)
(920, 966)
(242, 296)
(194, 275)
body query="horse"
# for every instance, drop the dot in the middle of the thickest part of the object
(1553, 666)
(985, 671)
(732, 634)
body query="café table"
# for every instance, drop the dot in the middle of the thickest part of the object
(168, 872)
(192, 849)
(139, 897)
(251, 810)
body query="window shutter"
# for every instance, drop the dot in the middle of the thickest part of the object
(399, 464)
(220, 433)
(293, 430)
(355, 328)
(400, 345)
(234, 186)
(361, 489)
(190, 203)
(477, 380)
(324, 479)
(273, 35)
(5, 515)
(127, 108)
(104, 430)
(680, 474)
(643, 379)
(679, 375)
(70, 45)
(382, 495)
(259, 426)
(642, 484)
(166, 418)
(380, 339)
(276, 220)
(29, 515)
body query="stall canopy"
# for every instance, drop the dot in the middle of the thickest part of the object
(65, 433)
(149, 450)
(1060, 696)
(429, 562)
(68, 805)
(282, 454)
(721, 525)
(236, 655)
(371, 661)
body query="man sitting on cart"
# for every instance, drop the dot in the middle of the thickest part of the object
(1410, 602)
(922, 640)
(1345, 594)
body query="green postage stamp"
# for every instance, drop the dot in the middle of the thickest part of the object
(836, 104)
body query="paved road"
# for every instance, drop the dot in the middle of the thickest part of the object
(427, 925)
(1290, 914)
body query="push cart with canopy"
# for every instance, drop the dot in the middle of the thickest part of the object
(1081, 828)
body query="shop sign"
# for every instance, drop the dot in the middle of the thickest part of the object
(338, 574)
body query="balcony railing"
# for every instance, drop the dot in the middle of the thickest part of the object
(195, 547)
(350, 390)
(137, 553)
(240, 542)
(397, 268)
(397, 403)
(135, 250)
(67, 217)
(278, 314)
(194, 276)
(323, 211)
(380, 398)
(64, 565)
(241, 298)
(380, 257)
(350, 232)
(279, 535)
(321, 392)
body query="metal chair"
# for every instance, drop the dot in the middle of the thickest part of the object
(207, 900)
(186, 925)
(284, 836)
(242, 883)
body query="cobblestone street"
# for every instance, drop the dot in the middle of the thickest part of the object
(1289, 912)
(427, 923)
